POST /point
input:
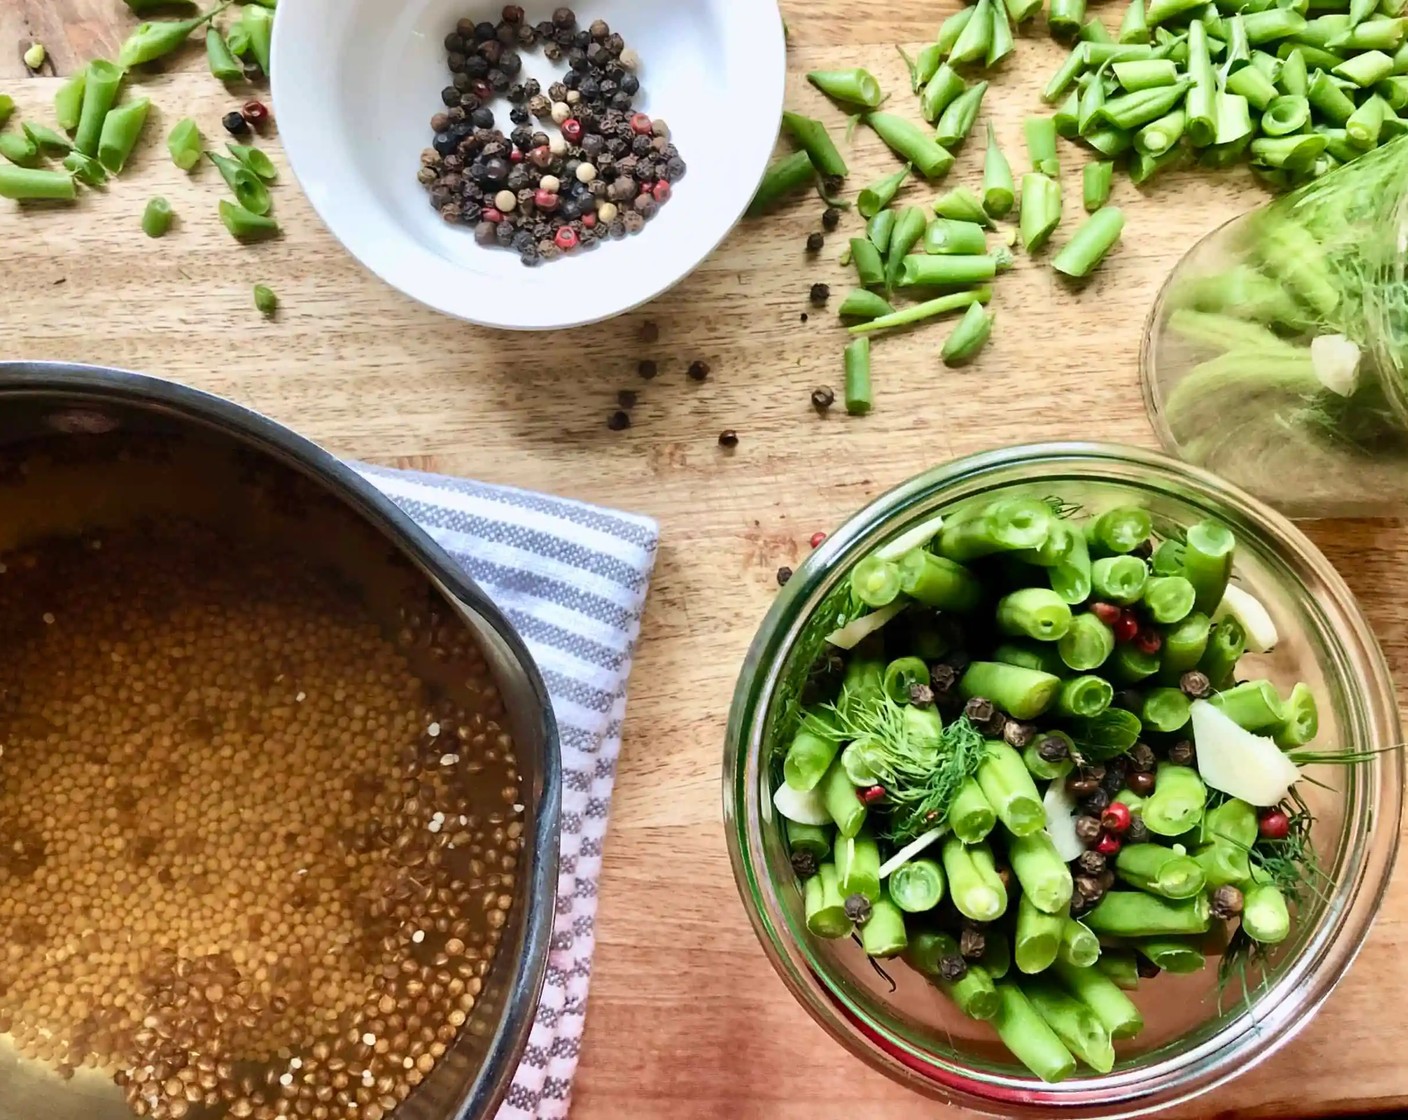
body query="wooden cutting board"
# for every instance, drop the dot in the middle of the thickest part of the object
(687, 1020)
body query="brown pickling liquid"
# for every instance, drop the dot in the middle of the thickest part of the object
(252, 862)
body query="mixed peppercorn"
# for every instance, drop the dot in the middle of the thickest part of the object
(605, 174)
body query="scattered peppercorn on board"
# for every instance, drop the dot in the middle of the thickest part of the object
(686, 1017)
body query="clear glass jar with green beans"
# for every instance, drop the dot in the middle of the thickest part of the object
(1277, 353)
(1050, 1014)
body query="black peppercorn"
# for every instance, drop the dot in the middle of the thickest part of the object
(1089, 887)
(647, 368)
(1053, 749)
(444, 143)
(1091, 862)
(626, 398)
(1141, 782)
(804, 863)
(564, 19)
(512, 13)
(784, 573)
(830, 218)
(728, 438)
(483, 32)
(498, 81)
(815, 243)
(819, 294)
(450, 95)
(1096, 802)
(630, 85)
(953, 969)
(1088, 829)
(482, 118)
(823, 397)
(698, 370)
(1182, 753)
(476, 66)
(1141, 757)
(619, 421)
(1195, 685)
(857, 908)
(1226, 903)
(511, 64)
(972, 944)
(1138, 832)
(1018, 735)
(236, 125)
(942, 679)
(456, 63)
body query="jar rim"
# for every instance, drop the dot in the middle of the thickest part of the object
(1299, 986)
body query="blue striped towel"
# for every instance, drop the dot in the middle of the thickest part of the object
(572, 578)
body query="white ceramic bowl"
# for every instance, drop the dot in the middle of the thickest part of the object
(355, 83)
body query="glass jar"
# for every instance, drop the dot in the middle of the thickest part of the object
(1190, 1044)
(1277, 353)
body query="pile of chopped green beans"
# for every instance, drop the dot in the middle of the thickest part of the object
(96, 135)
(1027, 765)
(1297, 87)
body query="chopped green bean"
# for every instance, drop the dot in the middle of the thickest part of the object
(1028, 1036)
(157, 217)
(1079, 946)
(1200, 106)
(908, 229)
(1253, 705)
(1022, 10)
(121, 129)
(969, 815)
(1095, 237)
(1294, 78)
(857, 373)
(1084, 696)
(1302, 722)
(1331, 101)
(925, 271)
(258, 24)
(1138, 914)
(256, 160)
(1036, 937)
(948, 236)
(816, 142)
(222, 61)
(244, 225)
(1165, 710)
(1064, 17)
(1264, 915)
(100, 92)
(1041, 210)
(150, 41)
(1173, 954)
(926, 65)
(1066, 119)
(1134, 28)
(1074, 1023)
(46, 139)
(1093, 31)
(1097, 179)
(27, 184)
(973, 993)
(973, 41)
(917, 886)
(1177, 803)
(870, 268)
(880, 229)
(1040, 133)
(1284, 115)
(184, 144)
(68, 101)
(85, 169)
(1114, 1009)
(7, 107)
(1119, 579)
(1044, 877)
(1034, 612)
(1109, 142)
(1367, 121)
(1145, 73)
(825, 905)
(974, 886)
(861, 304)
(969, 336)
(879, 195)
(249, 190)
(952, 28)
(1092, 102)
(908, 140)
(919, 312)
(1226, 644)
(1000, 43)
(1087, 644)
(853, 87)
(1207, 562)
(1011, 525)
(782, 178)
(941, 91)
(813, 839)
(999, 192)
(858, 865)
(957, 119)
(1365, 69)
(1070, 70)
(1133, 110)
(938, 582)
(19, 149)
(1184, 644)
(961, 204)
(1021, 693)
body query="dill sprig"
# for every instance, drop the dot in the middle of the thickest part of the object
(1292, 864)
(921, 775)
(1061, 508)
(1239, 959)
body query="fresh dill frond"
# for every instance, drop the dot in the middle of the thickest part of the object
(921, 775)
(1239, 959)
(1292, 864)
(1061, 508)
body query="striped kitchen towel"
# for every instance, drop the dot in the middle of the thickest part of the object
(572, 579)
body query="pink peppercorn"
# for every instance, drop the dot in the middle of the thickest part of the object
(546, 201)
(566, 239)
(642, 125)
(589, 221)
(493, 215)
(817, 538)
(571, 130)
(515, 156)
(1108, 844)
(661, 192)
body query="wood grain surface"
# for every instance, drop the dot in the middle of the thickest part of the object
(687, 1020)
